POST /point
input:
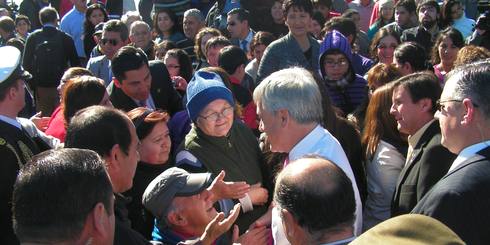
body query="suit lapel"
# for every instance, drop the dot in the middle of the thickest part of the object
(481, 155)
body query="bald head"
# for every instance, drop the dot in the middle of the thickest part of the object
(318, 194)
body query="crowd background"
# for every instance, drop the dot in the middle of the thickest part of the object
(186, 71)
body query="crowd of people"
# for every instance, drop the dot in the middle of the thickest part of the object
(244, 122)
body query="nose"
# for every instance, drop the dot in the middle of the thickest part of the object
(437, 114)
(261, 126)
(392, 109)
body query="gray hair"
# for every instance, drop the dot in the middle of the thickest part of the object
(293, 89)
(196, 13)
(472, 81)
(130, 14)
(138, 23)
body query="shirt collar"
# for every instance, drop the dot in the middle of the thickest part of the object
(309, 140)
(468, 152)
(11, 121)
(249, 36)
(414, 139)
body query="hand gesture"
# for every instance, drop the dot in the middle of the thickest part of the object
(231, 190)
(259, 235)
(219, 225)
(258, 195)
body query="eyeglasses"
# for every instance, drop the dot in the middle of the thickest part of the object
(113, 42)
(441, 107)
(214, 116)
(332, 63)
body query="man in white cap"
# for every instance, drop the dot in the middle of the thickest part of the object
(19, 138)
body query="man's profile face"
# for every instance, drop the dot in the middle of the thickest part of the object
(405, 111)
(270, 124)
(236, 27)
(130, 160)
(450, 115)
(137, 83)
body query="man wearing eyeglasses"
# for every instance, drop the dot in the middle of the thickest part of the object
(414, 104)
(460, 199)
(239, 28)
(140, 37)
(114, 36)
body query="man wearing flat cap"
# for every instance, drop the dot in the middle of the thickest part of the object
(19, 138)
(183, 206)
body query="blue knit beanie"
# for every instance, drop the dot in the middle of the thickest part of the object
(204, 88)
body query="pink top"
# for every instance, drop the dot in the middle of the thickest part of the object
(56, 126)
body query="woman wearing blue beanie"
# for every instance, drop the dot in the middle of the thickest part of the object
(217, 142)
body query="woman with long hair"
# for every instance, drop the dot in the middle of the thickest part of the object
(166, 25)
(452, 14)
(179, 67)
(445, 51)
(384, 151)
(202, 38)
(94, 15)
(383, 46)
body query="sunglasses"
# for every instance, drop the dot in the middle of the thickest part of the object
(113, 42)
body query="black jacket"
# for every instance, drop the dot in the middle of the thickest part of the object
(461, 199)
(419, 35)
(162, 91)
(430, 161)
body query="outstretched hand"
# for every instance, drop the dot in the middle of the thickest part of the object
(227, 189)
(219, 225)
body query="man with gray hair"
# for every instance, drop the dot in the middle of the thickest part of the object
(460, 199)
(193, 22)
(140, 37)
(288, 104)
(316, 202)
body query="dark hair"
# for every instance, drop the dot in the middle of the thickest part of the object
(48, 15)
(56, 191)
(320, 200)
(409, 5)
(450, 32)
(261, 37)
(7, 24)
(127, 58)
(414, 54)
(421, 85)
(73, 72)
(231, 57)
(145, 120)
(242, 14)
(16, 42)
(201, 54)
(22, 17)
(378, 123)
(304, 5)
(117, 26)
(326, 3)
(81, 92)
(382, 73)
(217, 41)
(99, 128)
(432, 3)
(170, 14)
(185, 63)
(318, 17)
(348, 13)
(346, 26)
(382, 33)
(165, 45)
(446, 13)
(88, 27)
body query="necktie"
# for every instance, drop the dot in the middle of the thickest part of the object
(244, 45)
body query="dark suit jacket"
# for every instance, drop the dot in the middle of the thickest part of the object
(419, 35)
(461, 199)
(430, 161)
(163, 93)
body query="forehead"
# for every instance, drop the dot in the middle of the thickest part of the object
(137, 74)
(296, 10)
(335, 56)
(111, 35)
(427, 7)
(190, 19)
(139, 28)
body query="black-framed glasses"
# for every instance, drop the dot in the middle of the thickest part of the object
(440, 104)
(215, 115)
(333, 63)
(113, 42)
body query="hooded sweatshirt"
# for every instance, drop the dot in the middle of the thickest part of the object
(350, 91)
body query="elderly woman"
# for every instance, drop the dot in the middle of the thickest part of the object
(154, 150)
(218, 142)
(297, 48)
